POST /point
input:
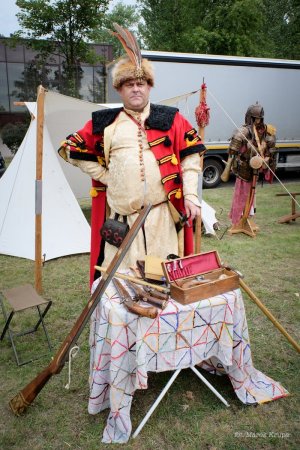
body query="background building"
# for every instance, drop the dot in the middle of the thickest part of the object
(20, 75)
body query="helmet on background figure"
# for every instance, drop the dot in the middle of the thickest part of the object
(254, 112)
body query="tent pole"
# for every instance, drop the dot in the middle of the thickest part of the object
(38, 188)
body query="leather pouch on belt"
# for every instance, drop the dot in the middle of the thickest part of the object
(114, 231)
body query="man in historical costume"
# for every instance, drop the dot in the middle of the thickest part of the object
(253, 142)
(138, 154)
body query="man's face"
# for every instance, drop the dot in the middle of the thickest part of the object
(135, 94)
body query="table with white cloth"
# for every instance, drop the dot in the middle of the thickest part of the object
(210, 333)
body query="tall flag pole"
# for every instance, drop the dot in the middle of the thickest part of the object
(202, 118)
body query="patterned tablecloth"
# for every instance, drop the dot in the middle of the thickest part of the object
(211, 333)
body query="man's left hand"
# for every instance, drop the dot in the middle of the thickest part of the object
(192, 210)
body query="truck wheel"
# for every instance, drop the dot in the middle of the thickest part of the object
(212, 172)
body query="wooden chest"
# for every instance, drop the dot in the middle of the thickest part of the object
(197, 277)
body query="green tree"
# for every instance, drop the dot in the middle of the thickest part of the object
(64, 27)
(283, 31)
(292, 26)
(125, 15)
(34, 74)
(210, 26)
(258, 28)
(12, 134)
(164, 24)
(236, 27)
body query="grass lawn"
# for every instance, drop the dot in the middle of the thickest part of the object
(190, 416)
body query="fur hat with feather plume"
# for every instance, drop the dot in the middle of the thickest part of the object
(132, 66)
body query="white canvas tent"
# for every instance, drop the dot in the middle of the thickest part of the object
(65, 230)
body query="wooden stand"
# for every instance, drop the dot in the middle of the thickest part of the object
(246, 226)
(294, 215)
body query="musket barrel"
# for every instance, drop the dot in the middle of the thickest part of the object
(27, 395)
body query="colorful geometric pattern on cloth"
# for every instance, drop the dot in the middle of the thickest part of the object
(211, 333)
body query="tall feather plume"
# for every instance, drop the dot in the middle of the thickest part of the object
(131, 47)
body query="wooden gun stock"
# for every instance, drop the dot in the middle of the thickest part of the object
(226, 173)
(27, 395)
(24, 398)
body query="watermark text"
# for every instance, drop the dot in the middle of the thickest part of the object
(261, 434)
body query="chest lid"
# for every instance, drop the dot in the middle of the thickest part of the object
(190, 266)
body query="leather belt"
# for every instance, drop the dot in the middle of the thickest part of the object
(153, 206)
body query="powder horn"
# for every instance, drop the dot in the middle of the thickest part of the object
(226, 173)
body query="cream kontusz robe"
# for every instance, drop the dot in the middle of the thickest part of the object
(127, 192)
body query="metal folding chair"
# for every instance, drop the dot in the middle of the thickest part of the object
(22, 298)
(165, 390)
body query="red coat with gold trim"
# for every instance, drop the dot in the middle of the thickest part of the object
(171, 138)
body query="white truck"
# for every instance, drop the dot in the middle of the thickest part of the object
(233, 84)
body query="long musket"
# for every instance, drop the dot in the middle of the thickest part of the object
(27, 395)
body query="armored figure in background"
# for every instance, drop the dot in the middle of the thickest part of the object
(253, 139)
(240, 144)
